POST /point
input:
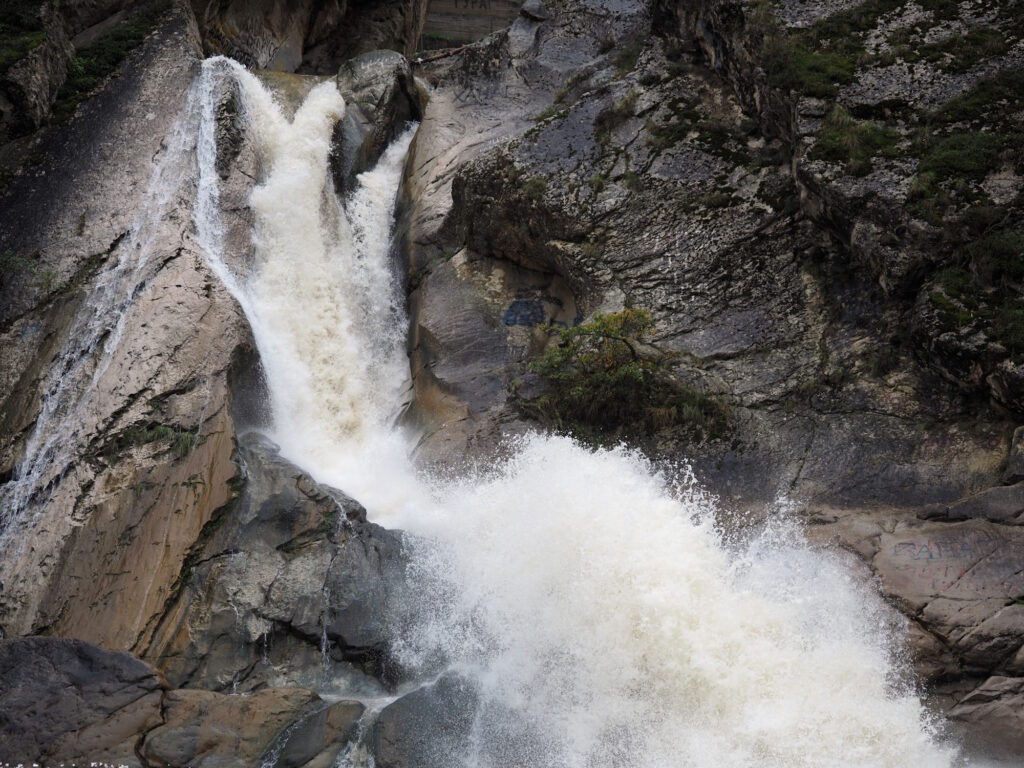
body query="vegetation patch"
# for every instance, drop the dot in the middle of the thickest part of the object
(93, 64)
(181, 442)
(628, 55)
(535, 188)
(613, 116)
(844, 139)
(21, 30)
(605, 384)
(969, 154)
(965, 306)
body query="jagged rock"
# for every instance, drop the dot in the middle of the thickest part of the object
(289, 567)
(994, 713)
(66, 700)
(380, 99)
(32, 83)
(535, 10)
(149, 455)
(1002, 504)
(425, 728)
(312, 36)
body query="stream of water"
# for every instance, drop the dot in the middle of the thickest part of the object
(591, 600)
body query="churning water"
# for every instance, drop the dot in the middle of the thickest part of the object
(593, 604)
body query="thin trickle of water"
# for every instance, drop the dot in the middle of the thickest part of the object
(592, 605)
(69, 408)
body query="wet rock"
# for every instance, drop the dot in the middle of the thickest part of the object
(994, 711)
(66, 700)
(425, 728)
(69, 701)
(317, 739)
(380, 99)
(150, 456)
(290, 569)
(205, 729)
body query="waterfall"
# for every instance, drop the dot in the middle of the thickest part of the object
(591, 600)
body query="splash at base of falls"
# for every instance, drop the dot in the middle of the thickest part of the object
(593, 607)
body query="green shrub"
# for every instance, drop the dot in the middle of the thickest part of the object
(21, 30)
(535, 188)
(603, 383)
(1003, 92)
(95, 63)
(792, 65)
(628, 55)
(970, 154)
(843, 139)
(998, 257)
(181, 442)
(614, 115)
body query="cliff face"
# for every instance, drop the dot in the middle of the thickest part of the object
(807, 259)
(830, 263)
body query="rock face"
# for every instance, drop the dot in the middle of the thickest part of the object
(286, 584)
(121, 343)
(152, 431)
(69, 701)
(381, 98)
(313, 37)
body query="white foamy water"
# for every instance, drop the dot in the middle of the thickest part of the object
(591, 601)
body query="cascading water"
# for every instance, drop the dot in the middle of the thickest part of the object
(594, 607)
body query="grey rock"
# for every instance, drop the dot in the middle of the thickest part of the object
(534, 10)
(381, 99)
(318, 738)
(1014, 472)
(313, 37)
(994, 712)
(428, 728)
(33, 82)
(290, 565)
(1001, 504)
(66, 700)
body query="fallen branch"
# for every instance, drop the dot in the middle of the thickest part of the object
(444, 55)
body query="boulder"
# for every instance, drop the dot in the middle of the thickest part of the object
(381, 98)
(66, 700)
(427, 728)
(994, 715)
(202, 729)
(290, 576)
